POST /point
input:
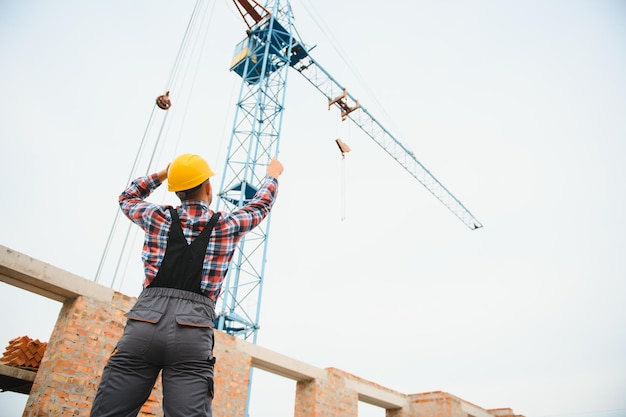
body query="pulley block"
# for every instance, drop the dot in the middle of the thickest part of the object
(164, 101)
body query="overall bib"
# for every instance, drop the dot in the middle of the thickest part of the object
(169, 329)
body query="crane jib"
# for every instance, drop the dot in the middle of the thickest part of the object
(337, 95)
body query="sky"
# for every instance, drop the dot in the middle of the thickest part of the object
(516, 107)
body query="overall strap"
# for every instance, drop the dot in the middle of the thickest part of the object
(183, 263)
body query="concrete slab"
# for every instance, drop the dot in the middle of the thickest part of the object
(15, 379)
(279, 364)
(41, 278)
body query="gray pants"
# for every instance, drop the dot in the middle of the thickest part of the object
(168, 330)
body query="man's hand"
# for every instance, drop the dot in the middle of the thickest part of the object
(275, 168)
(162, 174)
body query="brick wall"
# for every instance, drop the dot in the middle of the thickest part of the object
(232, 377)
(436, 404)
(92, 320)
(87, 331)
(326, 398)
(83, 338)
(84, 335)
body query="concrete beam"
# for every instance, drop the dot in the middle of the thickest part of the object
(14, 379)
(43, 279)
(279, 364)
(17, 373)
(474, 410)
(379, 397)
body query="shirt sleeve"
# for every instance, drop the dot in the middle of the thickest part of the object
(132, 202)
(250, 215)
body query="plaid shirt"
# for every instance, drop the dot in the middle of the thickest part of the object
(155, 220)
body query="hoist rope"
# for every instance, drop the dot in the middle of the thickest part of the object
(183, 45)
(139, 152)
(169, 86)
(343, 149)
(195, 72)
(117, 212)
(343, 187)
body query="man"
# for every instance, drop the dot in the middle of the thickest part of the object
(186, 254)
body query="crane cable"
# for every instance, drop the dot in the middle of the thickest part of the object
(186, 41)
(343, 187)
(344, 149)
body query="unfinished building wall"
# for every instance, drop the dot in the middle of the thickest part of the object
(232, 377)
(92, 320)
(326, 397)
(84, 336)
(443, 404)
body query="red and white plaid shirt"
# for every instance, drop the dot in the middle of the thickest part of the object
(155, 221)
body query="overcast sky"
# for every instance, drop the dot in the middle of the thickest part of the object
(518, 108)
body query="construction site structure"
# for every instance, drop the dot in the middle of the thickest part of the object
(91, 321)
(263, 60)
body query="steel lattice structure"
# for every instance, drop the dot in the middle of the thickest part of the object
(263, 59)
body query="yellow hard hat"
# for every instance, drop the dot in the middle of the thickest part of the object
(187, 171)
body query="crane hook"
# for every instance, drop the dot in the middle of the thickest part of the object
(164, 101)
(342, 147)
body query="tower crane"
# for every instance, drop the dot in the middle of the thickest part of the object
(263, 59)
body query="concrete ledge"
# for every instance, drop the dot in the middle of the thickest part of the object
(279, 364)
(15, 379)
(41, 278)
(474, 410)
(373, 395)
(12, 371)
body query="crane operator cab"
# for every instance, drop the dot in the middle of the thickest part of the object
(248, 55)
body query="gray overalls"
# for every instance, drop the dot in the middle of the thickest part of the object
(170, 328)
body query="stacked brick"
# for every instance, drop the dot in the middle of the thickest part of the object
(24, 352)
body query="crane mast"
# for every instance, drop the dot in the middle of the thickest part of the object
(263, 59)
